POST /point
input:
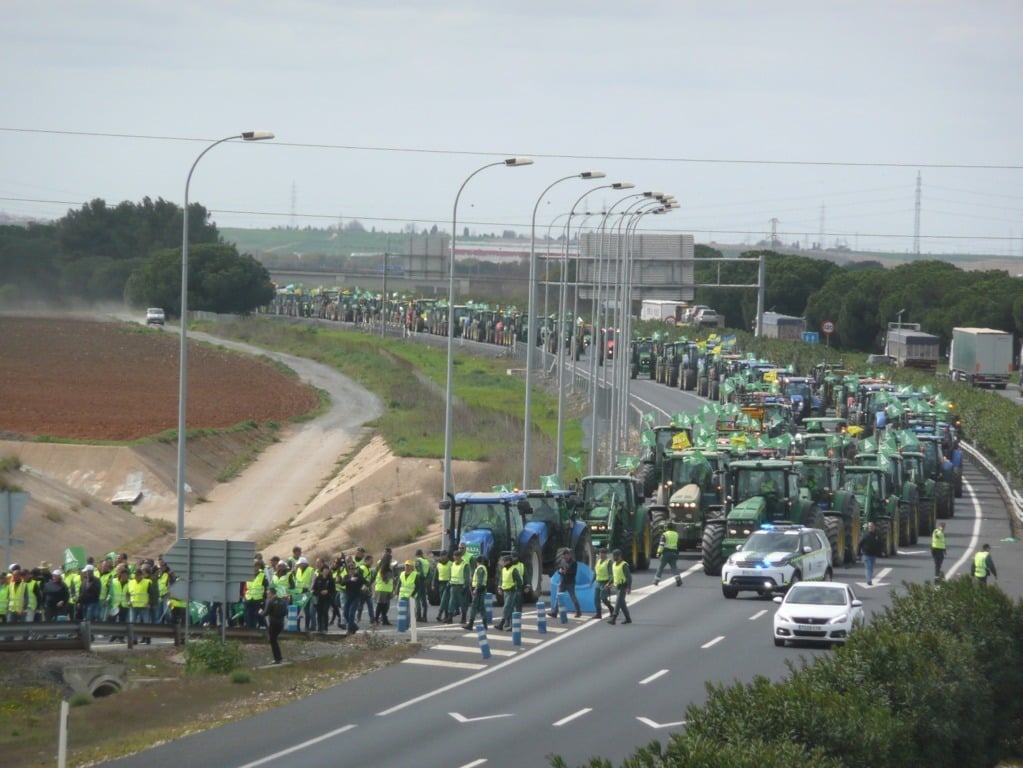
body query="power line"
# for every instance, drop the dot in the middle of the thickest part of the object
(490, 153)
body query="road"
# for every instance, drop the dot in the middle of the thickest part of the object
(583, 688)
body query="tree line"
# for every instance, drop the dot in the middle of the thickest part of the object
(132, 253)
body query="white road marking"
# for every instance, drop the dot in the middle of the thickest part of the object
(572, 717)
(757, 615)
(297, 747)
(474, 763)
(653, 677)
(505, 637)
(974, 534)
(469, 649)
(463, 719)
(654, 724)
(442, 663)
(713, 642)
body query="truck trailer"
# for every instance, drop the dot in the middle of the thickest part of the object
(669, 311)
(778, 326)
(909, 347)
(982, 357)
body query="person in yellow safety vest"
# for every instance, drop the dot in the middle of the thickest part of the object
(621, 577)
(442, 574)
(411, 584)
(119, 601)
(141, 604)
(511, 587)
(383, 589)
(178, 610)
(17, 596)
(459, 586)
(423, 567)
(304, 575)
(984, 564)
(5, 581)
(667, 552)
(73, 579)
(164, 578)
(479, 594)
(602, 580)
(524, 587)
(106, 575)
(255, 597)
(938, 547)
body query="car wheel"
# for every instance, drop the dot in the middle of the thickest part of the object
(729, 592)
(779, 643)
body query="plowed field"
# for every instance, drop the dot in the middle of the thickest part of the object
(90, 380)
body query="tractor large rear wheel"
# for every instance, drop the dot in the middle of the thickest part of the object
(584, 549)
(836, 537)
(713, 547)
(943, 500)
(926, 521)
(534, 572)
(643, 546)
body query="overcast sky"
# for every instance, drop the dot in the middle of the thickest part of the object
(819, 114)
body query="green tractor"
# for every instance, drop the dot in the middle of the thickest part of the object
(612, 509)
(821, 482)
(642, 359)
(690, 493)
(757, 492)
(927, 514)
(667, 363)
(872, 487)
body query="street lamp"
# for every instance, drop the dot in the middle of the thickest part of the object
(531, 324)
(512, 162)
(561, 321)
(183, 363)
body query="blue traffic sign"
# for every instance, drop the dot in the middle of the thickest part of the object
(811, 337)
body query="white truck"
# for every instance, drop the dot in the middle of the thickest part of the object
(909, 347)
(669, 311)
(982, 357)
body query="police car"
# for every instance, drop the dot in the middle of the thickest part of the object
(774, 558)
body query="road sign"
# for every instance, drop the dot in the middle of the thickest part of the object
(828, 327)
(210, 569)
(12, 504)
(811, 337)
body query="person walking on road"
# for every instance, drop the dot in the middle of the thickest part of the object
(938, 549)
(667, 553)
(602, 581)
(568, 568)
(511, 588)
(870, 548)
(442, 576)
(984, 564)
(479, 594)
(621, 576)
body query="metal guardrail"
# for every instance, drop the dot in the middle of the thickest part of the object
(64, 635)
(1012, 496)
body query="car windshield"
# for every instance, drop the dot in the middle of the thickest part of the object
(815, 595)
(482, 516)
(772, 541)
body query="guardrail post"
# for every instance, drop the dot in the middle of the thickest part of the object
(481, 637)
(541, 618)
(516, 628)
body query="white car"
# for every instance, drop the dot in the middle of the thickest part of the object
(776, 556)
(155, 316)
(823, 612)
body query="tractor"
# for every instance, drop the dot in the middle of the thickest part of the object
(643, 359)
(689, 494)
(558, 511)
(821, 482)
(493, 524)
(757, 492)
(872, 487)
(802, 393)
(616, 517)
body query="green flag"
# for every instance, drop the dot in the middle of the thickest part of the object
(74, 558)
(503, 488)
(549, 483)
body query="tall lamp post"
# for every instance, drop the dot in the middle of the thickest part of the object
(512, 162)
(532, 325)
(561, 322)
(183, 363)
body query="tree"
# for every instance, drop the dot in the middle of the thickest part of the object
(219, 280)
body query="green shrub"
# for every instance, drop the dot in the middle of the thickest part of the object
(686, 752)
(212, 656)
(240, 677)
(80, 699)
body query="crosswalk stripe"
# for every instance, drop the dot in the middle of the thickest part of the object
(442, 663)
(469, 649)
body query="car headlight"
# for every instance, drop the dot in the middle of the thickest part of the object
(839, 619)
(784, 617)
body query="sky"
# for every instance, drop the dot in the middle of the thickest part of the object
(819, 115)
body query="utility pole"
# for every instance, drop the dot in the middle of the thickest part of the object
(916, 221)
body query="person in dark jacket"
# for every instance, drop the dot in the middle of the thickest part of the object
(88, 595)
(324, 590)
(56, 597)
(871, 547)
(354, 581)
(568, 568)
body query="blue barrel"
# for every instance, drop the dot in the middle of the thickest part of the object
(516, 628)
(541, 618)
(403, 614)
(481, 637)
(292, 623)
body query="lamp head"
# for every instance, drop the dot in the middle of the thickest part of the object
(592, 175)
(655, 195)
(257, 135)
(622, 185)
(516, 161)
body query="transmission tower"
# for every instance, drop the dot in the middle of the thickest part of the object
(820, 234)
(774, 232)
(916, 219)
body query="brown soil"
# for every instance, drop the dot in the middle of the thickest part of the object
(83, 380)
